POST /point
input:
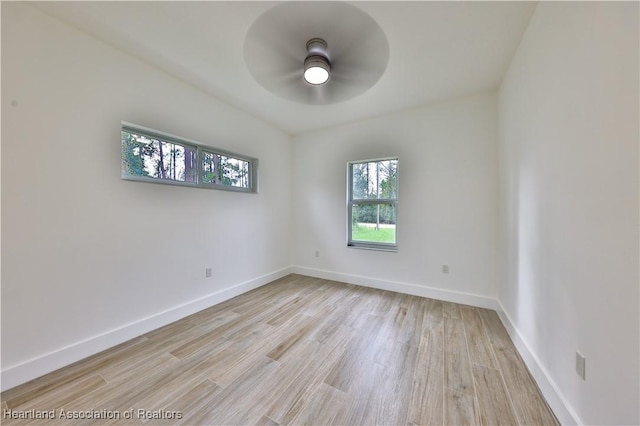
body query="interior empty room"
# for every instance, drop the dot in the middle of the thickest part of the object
(386, 212)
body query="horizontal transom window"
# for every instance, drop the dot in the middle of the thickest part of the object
(152, 156)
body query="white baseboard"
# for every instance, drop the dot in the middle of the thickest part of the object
(28, 370)
(563, 411)
(400, 287)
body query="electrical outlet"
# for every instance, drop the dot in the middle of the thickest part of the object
(207, 273)
(445, 269)
(581, 366)
(317, 253)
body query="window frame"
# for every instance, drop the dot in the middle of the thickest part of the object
(199, 150)
(214, 185)
(351, 201)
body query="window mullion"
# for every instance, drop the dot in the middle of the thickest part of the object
(199, 169)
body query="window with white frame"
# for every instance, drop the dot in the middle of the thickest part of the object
(372, 203)
(152, 156)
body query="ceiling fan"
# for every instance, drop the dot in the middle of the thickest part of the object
(316, 52)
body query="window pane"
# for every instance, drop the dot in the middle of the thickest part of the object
(224, 170)
(153, 158)
(373, 223)
(375, 179)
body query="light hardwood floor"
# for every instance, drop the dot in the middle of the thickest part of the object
(302, 350)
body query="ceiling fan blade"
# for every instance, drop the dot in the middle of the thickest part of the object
(275, 49)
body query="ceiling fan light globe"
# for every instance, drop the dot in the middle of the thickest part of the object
(316, 69)
(316, 75)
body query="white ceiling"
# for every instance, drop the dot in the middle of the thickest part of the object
(437, 51)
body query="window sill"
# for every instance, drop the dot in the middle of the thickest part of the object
(392, 249)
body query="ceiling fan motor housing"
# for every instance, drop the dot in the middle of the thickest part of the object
(317, 61)
(317, 47)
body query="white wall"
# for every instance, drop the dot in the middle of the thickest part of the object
(447, 212)
(568, 111)
(86, 253)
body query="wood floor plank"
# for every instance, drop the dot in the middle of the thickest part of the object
(75, 372)
(181, 336)
(333, 322)
(64, 394)
(493, 405)
(344, 372)
(318, 406)
(243, 363)
(433, 313)
(172, 390)
(326, 330)
(384, 301)
(304, 350)
(451, 310)
(220, 336)
(380, 347)
(285, 313)
(359, 408)
(121, 398)
(322, 300)
(528, 406)
(292, 380)
(498, 336)
(198, 342)
(206, 319)
(478, 342)
(391, 395)
(194, 401)
(298, 330)
(427, 395)
(460, 400)
(411, 330)
(309, 369)
(266, 421)
(338, 297)
(237, 404)
(268, 294)
(142, 366)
